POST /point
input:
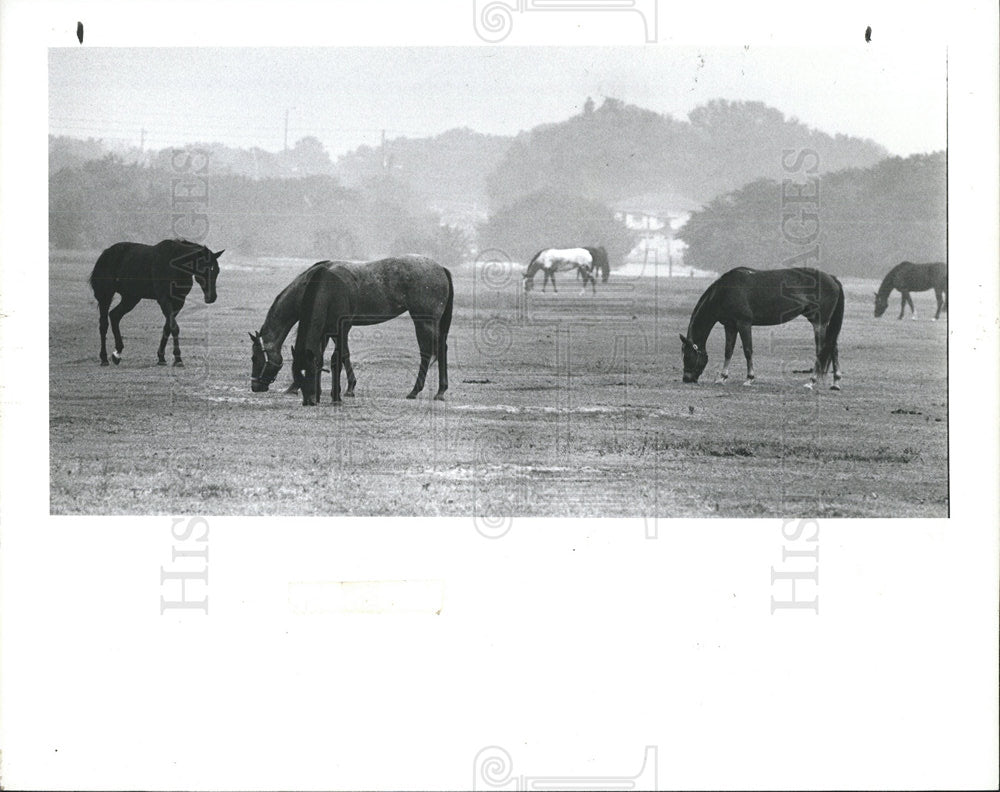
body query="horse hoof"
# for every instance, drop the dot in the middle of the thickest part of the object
(349, 394)
(161, 362)
(439, 397)
(412, 395)
(116, 358)
(835, 387)
(748, 383)
(809, 385)
(178, 363)
(720, 380)
(105, 363)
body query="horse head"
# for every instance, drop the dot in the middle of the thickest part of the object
(529, 281)
(206, 272)
(695, 359)
(263, 369)
(881, 303)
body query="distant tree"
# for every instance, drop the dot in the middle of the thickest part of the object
(619, 151)
(307, 158)
(868, 220)
(588, 106)
(552, 219)
(447, 245)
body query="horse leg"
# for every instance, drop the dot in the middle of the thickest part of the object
(167, 307)
(175, 331)
(345, 357)
(125, 305)
(103, 306)
(746, 338)
(940, 302)
(442, 356)
(835, 362)
(819, 332)
(902, 303)
(161, 350)
(730, 329)
(552, 275)
(426, 340)
(336, 358)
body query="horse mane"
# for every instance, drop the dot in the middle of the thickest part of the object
(705, 297)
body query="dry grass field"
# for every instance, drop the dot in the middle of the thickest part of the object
(560, 404)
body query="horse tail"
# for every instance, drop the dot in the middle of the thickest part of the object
(602, 262)
(103, 275)
(445, 324)
(832, 330)
(309, 298)
(599, 262)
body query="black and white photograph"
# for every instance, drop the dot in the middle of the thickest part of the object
(549, 285)
(471, 395)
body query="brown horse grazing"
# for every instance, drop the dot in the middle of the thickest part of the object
(337, 297)
(909, 277)
(164, 272)
(746, 297)
(266, 360)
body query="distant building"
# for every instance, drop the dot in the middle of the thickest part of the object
(656, 217)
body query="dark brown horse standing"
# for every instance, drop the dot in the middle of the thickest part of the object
(745, 297)
(164, 272)
(909, 277)
(338, 296)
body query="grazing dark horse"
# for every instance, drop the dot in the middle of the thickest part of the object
(337, 296)
(266, 359)
(909, 277)
(745, 297)
(553, 260)
(164, 272)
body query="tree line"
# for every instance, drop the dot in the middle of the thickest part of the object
(857, 222)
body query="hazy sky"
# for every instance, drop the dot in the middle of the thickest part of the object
(345, 96)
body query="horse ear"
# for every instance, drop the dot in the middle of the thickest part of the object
(684, 340)
(252, 336)
(216, 255)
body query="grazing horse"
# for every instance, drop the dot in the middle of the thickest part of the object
(745, 297)
(266, 360)
(164, 272)
(356, 294)
(553, 260)
(909, 277)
